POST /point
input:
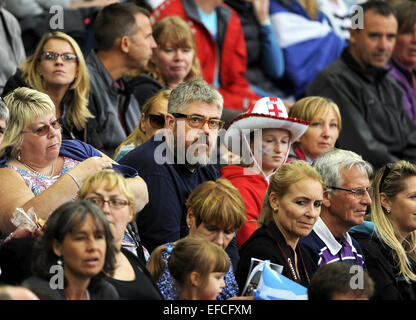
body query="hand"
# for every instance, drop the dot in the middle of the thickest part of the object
(24, 233)
(261, 11)
(90, 166)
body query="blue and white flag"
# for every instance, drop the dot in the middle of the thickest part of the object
(274, 286)
(308, 45)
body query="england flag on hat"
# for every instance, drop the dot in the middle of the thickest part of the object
(268, 112)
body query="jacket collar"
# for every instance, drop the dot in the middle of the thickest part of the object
(95, 63)
(372, 74)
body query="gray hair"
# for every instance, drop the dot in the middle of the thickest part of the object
(4, 111)
(193, 90)
(330, 163)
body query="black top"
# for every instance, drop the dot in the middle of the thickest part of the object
(43, 290)
(142, 287)
(381, 264)
(144, 87)
(268, 243)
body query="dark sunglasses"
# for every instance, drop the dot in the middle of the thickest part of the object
(53, 56)
(157, 121)
(43, 130)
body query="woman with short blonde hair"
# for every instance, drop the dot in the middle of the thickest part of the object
(110, 191)
(38, 169)
(324, 128)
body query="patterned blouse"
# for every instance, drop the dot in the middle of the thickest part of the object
(38, 182)
(169, 289)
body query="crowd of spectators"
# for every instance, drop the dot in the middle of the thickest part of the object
(308, 105)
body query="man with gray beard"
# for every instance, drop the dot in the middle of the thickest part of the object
(176, 160)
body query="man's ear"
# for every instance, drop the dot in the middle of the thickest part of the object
(353, 35)
(326, 200)
(169, 121)
(124, 44)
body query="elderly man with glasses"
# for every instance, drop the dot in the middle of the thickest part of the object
(345, 202)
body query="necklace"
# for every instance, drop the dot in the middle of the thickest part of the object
(36, 171)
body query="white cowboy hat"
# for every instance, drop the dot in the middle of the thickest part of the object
(268, 112)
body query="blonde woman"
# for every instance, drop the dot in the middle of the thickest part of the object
(291, 206)
(38, 169)
(58, 69)
(153, 119)
(388, 241)
(323, 131)
(110, 191)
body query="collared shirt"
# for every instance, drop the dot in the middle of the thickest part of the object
(334, 250)
(323, 248)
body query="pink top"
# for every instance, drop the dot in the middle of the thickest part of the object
(38, 182)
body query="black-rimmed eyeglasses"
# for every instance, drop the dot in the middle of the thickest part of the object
(197, 122)
(358, 192)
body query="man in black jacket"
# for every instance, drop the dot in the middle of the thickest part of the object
(375, 124)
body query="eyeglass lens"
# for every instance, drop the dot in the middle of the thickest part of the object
(49, 55)
(41, 131)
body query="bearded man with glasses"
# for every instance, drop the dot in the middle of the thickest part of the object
(176, 160)
(345, 202)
